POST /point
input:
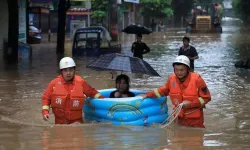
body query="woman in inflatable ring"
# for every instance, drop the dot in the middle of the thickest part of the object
(122, 85)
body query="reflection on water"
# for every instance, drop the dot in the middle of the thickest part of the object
(226, 117)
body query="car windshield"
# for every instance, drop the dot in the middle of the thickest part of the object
(81, 36)
(86, 39)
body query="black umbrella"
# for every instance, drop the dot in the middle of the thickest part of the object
(136, 29)
(118, 62)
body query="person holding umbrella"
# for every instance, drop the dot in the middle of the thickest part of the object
(139, 48)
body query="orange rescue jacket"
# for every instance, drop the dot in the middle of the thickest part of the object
(190, 94)
(67, 99)
(67, 105)
(193, 89)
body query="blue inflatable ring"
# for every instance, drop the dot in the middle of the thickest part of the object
(126, 111)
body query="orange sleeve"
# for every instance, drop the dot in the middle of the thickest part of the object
(46, 97)
(89, 91)
(160, 92)
(203, 93)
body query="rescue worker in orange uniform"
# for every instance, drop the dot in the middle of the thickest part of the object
(66, 95)
(188, 88)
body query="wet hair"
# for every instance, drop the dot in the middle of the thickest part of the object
(139, 35)
(186, 38)
(123, 77)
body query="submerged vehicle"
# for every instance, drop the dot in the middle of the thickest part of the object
(94, 41)
(34, 36)
(205, 17)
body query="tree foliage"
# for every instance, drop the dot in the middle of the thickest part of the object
(157, 8)
(99, 9)
(182, 7)
(241, 9)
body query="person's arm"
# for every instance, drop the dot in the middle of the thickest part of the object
(145, 49)
(112, 94)
(160, 92)
(46, 100)
(204, 95)
(131, 94)
(195, 57)
(179, 53)
(89, 91)
(133, 48)
(195, 54)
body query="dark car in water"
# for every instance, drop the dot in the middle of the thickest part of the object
(94, 40)
(34, 36)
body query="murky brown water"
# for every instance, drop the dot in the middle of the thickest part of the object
(227, 115)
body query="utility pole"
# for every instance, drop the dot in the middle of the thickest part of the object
(109, 10)
(88, 7)
(119, 2)
(12, 48)
(114, 20)
(135, 21)
(63, 7)
(88, 18)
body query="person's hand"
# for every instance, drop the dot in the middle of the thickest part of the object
(76, 123)
(46, 117)
(101, 97)
(186, 104)
(117, 94)
(143, 96)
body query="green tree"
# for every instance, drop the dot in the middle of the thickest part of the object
(207, 1)
(182, 8)
(241, 9)
(236, 6)
(99, 9)
(157, 8)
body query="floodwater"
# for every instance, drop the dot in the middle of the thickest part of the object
(227, 116)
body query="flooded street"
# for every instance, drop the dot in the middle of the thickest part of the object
(227, 116)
